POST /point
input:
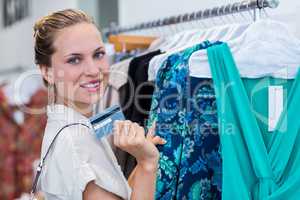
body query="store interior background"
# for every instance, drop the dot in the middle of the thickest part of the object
(17, 40)
(17, 52)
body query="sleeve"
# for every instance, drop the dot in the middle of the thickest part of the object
(78, 159)
(49, 196)
(58, 173)
(93, 161)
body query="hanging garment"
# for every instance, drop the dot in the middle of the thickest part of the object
(118, 73)
(188, 38)
(135, 98)
(8, 134)
(135, 104)
(185, 115)
(249, 46)
(29, 139)
(121, 56)
(255, 167)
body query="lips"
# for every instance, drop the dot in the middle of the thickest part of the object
(91, 86)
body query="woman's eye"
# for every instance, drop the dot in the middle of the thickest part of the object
(74, 60)
(99, 55)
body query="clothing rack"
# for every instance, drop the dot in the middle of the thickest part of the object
(199, 15)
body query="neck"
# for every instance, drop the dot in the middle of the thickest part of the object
(83, 108)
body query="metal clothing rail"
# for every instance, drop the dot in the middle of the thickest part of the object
(199, 15)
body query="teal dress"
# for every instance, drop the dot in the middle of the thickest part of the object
(257, 164)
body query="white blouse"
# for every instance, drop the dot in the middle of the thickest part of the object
(76, 158)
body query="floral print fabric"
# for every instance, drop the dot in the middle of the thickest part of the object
(184, 109)
(29, 140)
(20, 145)
(8, 134)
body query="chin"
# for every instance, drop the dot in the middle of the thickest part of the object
(89, 100)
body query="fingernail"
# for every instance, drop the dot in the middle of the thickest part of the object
(164, 141)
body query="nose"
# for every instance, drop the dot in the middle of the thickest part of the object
(92, 68)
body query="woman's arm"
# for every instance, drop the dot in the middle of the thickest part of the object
(131, 138)
(142, 181)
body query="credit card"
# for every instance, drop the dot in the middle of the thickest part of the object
(103, 122)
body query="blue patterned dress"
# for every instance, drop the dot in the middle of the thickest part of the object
(185, 112)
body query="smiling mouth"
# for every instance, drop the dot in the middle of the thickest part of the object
(91, 86)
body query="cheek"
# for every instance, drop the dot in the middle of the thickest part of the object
(68, 74)
(67, 80)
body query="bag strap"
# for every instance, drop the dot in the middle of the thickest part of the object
(41, 164)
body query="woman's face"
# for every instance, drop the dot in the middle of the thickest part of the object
(80, 66)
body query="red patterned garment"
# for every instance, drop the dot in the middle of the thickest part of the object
(29, 141)
(8, 134)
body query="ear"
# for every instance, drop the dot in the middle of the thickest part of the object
(47, 73)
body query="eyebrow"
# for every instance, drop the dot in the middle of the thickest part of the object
(79, 54)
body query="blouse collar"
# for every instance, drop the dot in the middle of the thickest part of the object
(65, 113)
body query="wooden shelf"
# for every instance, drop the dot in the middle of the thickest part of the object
(130, 42)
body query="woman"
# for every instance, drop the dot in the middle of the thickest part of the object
(71, 55)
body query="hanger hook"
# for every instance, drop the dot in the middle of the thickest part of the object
(158, 26)
(230, 8)
(260, 4)
(210, 16)
(209, 13)
(223, 8)
(192, 19)
(203, 17)
(241, 13)
(235, 6)
(262, 8)
(221, 15)
(218, 11)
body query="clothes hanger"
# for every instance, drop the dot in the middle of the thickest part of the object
(169, 46)
(282, 54)
(216, 33)
(233, 31)
(255, 49)
(190, 38)
(187, 39)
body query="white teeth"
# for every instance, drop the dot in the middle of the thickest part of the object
(91, 85)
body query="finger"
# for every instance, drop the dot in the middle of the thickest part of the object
(123, 133)
(158, 140)
(140, 131)
(134, 130)
(132, 134)
(127, 127)
(140, 135)
(151, 131)
(116, 132)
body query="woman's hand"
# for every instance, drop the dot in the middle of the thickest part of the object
(130, 137)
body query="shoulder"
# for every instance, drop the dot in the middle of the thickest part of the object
(59, 173)
(78, 158)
